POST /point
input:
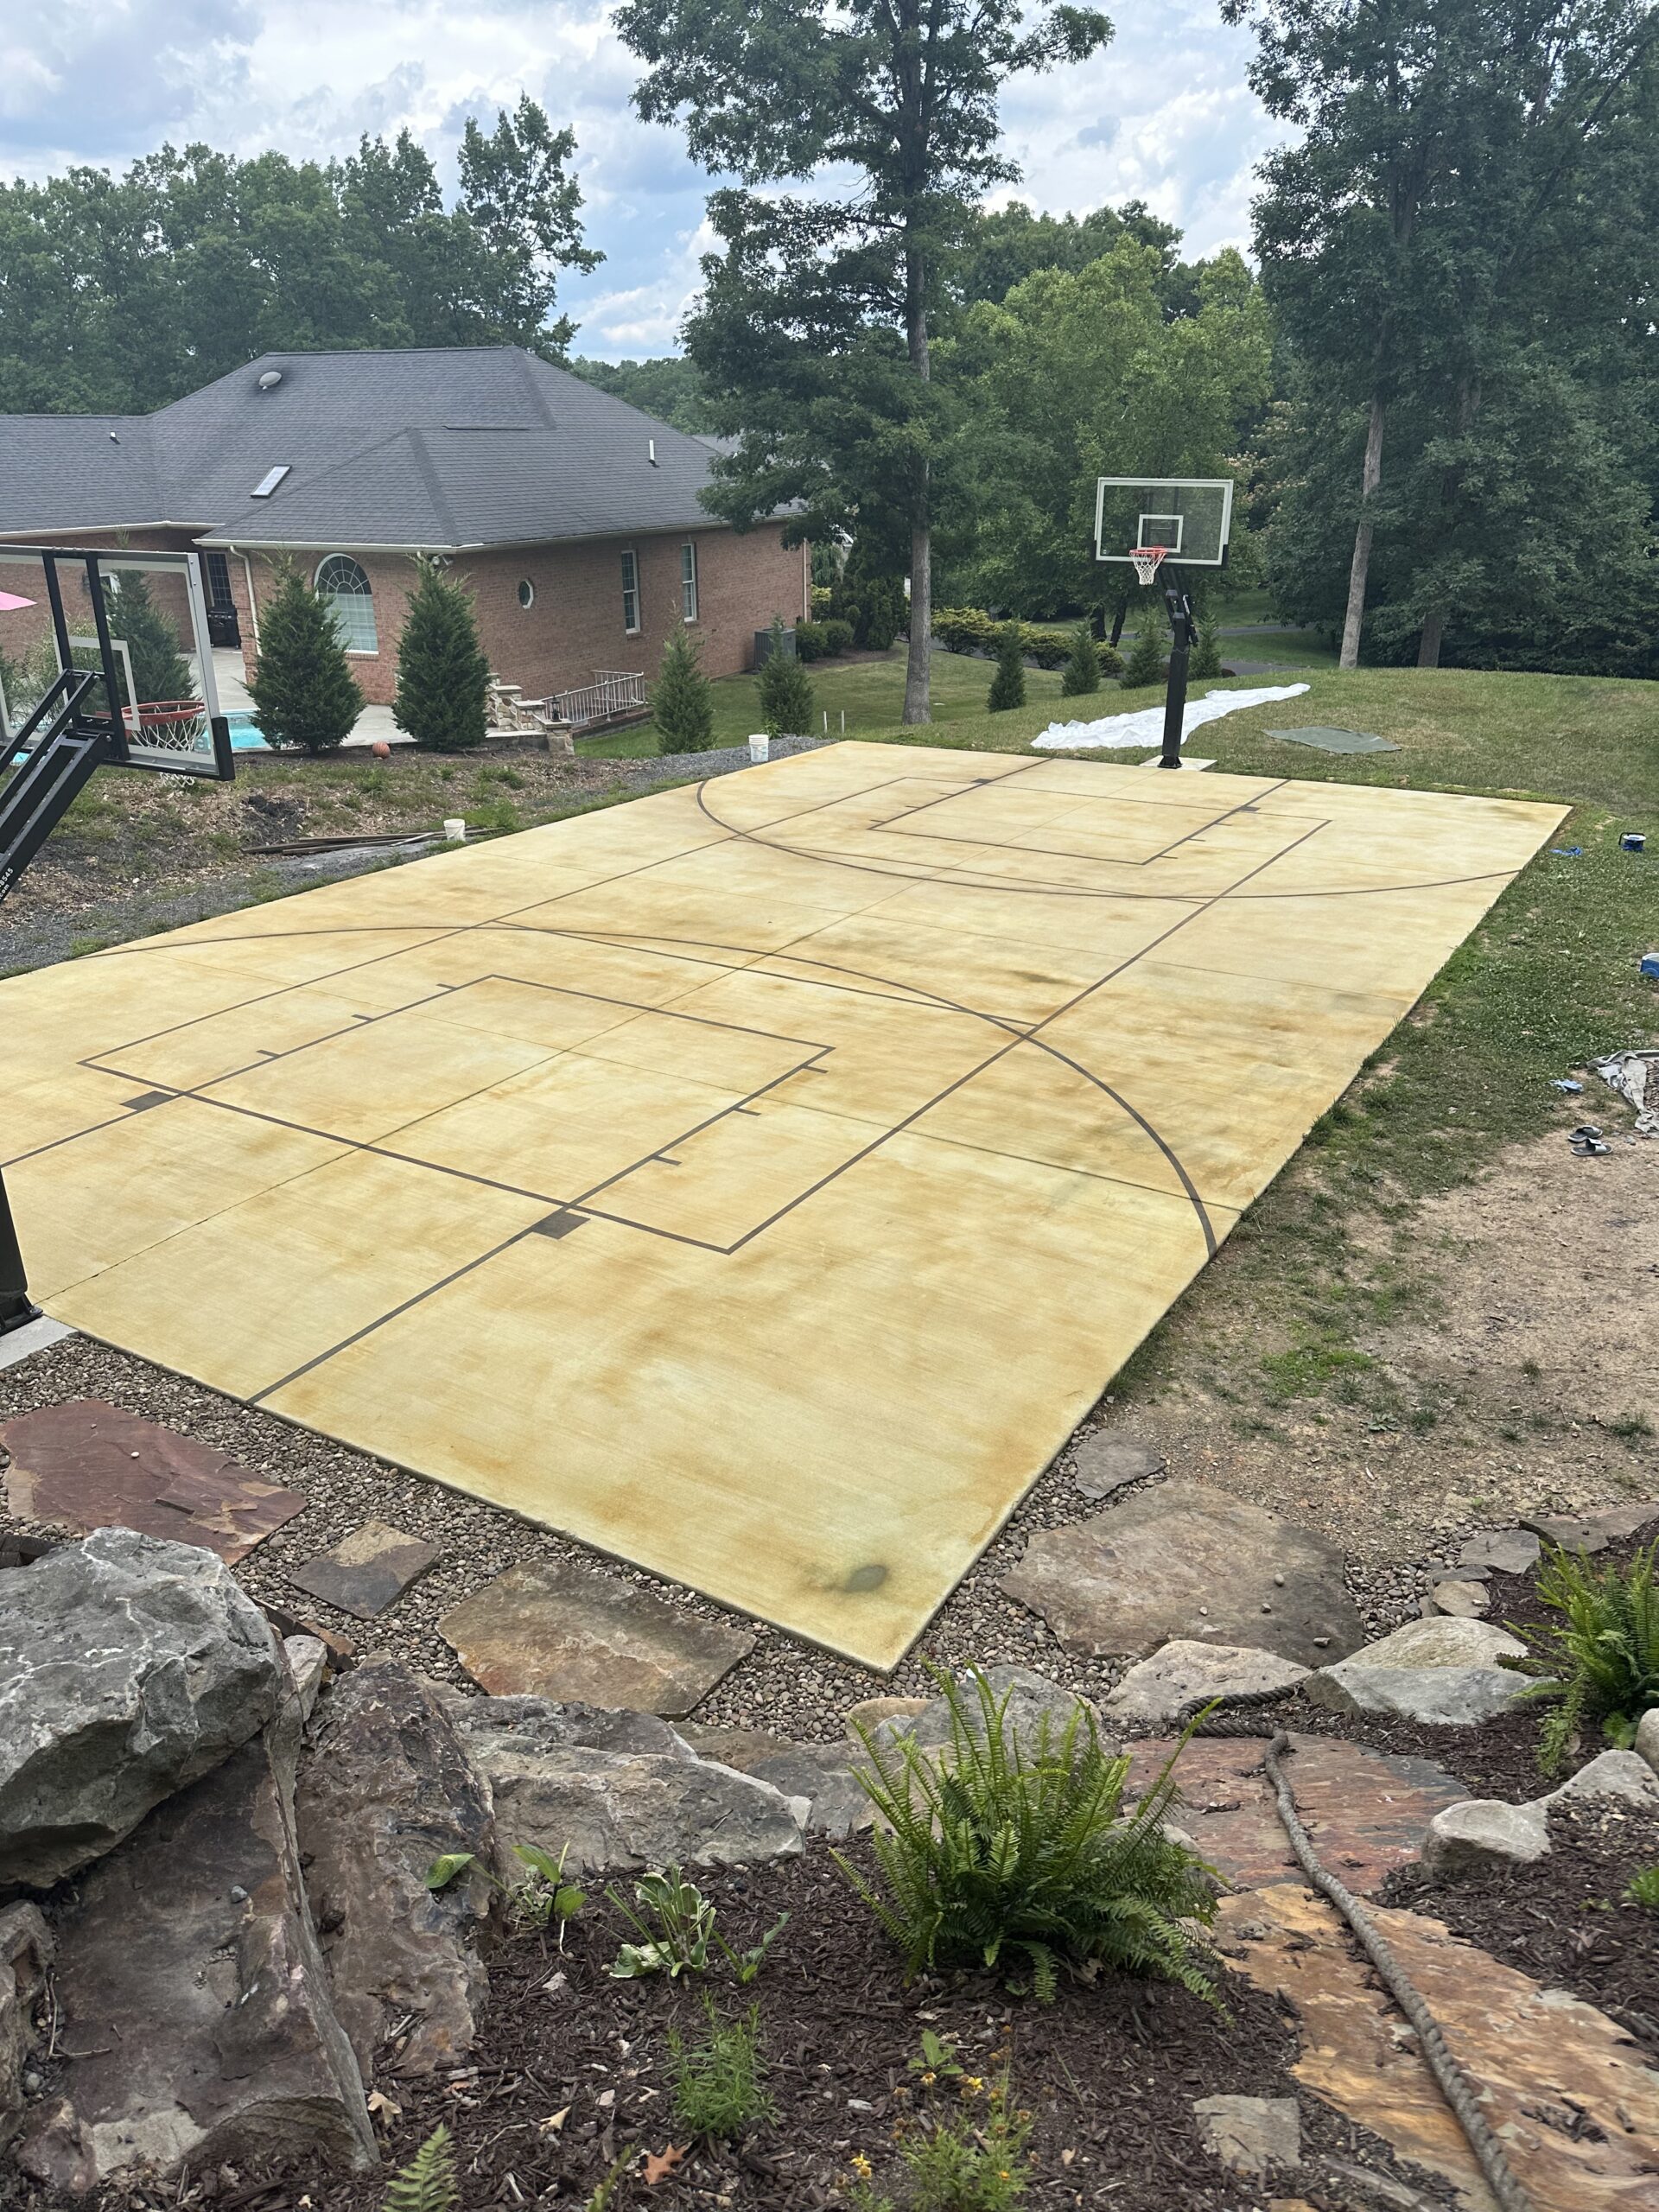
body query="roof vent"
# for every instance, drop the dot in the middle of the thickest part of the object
(270, 379)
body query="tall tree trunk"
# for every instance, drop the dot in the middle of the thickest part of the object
(1371, 477)
(1428, 644)
(1433, 629)
(919, 663)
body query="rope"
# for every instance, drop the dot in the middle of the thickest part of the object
(1455, 2084)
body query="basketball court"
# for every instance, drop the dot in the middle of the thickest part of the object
(756, 1182)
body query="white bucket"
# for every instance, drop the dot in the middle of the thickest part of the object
(760, 750)
(455, 830)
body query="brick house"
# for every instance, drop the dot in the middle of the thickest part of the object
(573, 518)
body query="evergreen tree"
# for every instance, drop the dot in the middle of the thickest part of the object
(817, 317)
(1082, 672)
(303, 690)
(160, 671)
(1206, 658)
(1008, 684)
(1145, 664)
(682, 699)
(786, 705)
(442, 674)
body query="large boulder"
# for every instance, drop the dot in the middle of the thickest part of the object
(1647, 1739)
(1153, 1693)
(1442, 1671)
(1031, 1704)
(385, 1787)
(1625, 1776)
(1185, 1560)
(621, 1789)
(129, 1667)
(1483, 1833)
(25, 1956)
(195, 2021)
(819, 1773)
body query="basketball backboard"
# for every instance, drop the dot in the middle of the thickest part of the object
(1190, 517)
(139, 620)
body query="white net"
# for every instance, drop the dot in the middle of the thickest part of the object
(1146, 559)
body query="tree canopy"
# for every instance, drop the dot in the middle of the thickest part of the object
(815, 329)
(1460, 250)
(119, 293)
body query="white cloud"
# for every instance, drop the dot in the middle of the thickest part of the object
(1163, 115)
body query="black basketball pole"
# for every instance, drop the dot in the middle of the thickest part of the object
(1183, 635)
(16, 1306)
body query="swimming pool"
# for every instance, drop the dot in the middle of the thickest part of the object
(246, 735)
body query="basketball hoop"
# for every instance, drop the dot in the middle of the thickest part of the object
(1146, 559)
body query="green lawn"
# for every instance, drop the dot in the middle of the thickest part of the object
(869, 693)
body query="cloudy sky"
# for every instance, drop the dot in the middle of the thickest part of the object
(1165, 114)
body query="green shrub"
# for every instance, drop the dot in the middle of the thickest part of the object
(786, 708)
(1643, 1889)
(838, 637)
(993, 1850)
(811, 643)
(1206, 657)
(1145, 665)
(1083, 666)
(717, 2079)
(442, 675)
(302, 690)
(428, 2183)
(1008, 684)
(1599, 1664)
(682, 699)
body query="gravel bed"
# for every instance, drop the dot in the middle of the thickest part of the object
(788, 1686)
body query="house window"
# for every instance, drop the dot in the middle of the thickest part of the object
(526, 594)
(630, 592)
(343, 587)
(689, 580)
(219, 582)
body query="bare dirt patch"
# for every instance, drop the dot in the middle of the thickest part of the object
(1520, 1374)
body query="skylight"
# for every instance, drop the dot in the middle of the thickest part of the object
(270, 480)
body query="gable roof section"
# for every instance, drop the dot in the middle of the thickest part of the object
(442, 449)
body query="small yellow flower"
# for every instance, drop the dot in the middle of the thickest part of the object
(972, 2085)
(929, 2079)
(861, 2167)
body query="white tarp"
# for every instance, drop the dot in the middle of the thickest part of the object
(1145, 726)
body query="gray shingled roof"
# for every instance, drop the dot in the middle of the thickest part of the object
(442, 449)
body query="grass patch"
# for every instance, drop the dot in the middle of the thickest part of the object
(719, 2089)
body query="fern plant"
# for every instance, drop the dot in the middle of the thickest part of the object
(1599, 1663)
(996, 1854)
(428, 2183)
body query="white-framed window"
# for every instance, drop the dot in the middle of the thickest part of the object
(343, 585)
(689, 580)
(526, 594)
(630, 591)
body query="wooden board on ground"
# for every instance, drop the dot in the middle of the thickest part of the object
(757, 1181)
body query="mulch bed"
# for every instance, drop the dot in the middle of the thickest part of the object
(1564, 1921)
(573, 2067)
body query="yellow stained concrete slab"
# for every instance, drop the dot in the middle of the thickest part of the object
(89, 1204)
(361, 1235)
(684, 1176)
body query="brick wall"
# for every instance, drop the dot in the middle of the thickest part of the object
(574, 626)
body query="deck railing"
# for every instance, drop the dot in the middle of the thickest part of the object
(614, 691)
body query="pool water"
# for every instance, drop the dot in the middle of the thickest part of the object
(246, 735)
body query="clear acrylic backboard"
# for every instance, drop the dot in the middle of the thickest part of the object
(1190, 517)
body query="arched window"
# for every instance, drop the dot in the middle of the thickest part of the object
(343, 585)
